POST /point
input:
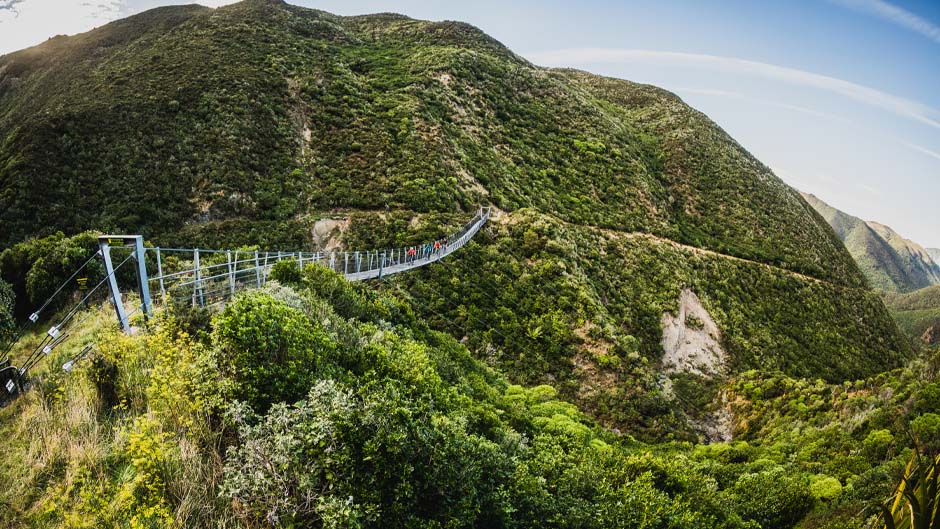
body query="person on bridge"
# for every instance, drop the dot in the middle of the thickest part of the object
(437, 247)
(412, 253)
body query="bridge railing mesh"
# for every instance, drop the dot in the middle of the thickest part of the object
(206, 277)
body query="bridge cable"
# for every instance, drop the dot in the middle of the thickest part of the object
(51, 336)
(34, 317)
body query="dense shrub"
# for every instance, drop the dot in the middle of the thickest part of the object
(265, 351)
(773, 498)
(364, 458)
(7, 318)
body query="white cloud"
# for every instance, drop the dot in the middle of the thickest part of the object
(922, 150)
(894, 14)
(30, 22)
(25, 23)
(759, 100)
(897, 105)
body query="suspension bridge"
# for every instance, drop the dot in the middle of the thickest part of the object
(207, 277)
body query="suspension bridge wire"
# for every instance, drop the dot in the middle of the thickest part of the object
(67, 366)
(58, 342)
(38, 353)
(34, 317)
(92, 291)
(67, 281)
(52, 334)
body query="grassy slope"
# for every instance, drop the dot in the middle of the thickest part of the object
(400, 113)
(580, 308)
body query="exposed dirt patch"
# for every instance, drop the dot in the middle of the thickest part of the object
(932, 335)
(691, 340)
(445, 78)
(327, 234)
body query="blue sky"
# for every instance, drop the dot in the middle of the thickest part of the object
(840, 97)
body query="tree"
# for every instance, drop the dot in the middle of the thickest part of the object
(7, 321)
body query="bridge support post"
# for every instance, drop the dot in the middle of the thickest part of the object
(143, 280)
(112, 284)
(160, 274)
(105, 243)
(257, 269)
(231, 270)
(198, 289)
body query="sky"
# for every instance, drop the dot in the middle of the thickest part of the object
(841, 98)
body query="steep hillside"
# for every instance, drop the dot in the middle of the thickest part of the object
(249, 124)
(889, 261)
(267, 112)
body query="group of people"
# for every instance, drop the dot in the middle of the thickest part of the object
(428, 250)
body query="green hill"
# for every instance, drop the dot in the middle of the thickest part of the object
(889, 261)
(619, 207)
(644, 285)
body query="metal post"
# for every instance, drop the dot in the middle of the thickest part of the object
(346, 263)
(202, 298)
(332, 261)
(231, 270)
(381, 263)
(358, 262)
(112, 283)
(143, 281)
(257, 269)
(160, 273)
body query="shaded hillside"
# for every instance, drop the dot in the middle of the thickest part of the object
(918, 313)
(889, 261)
(250, 123)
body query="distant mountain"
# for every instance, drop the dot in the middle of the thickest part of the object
(889, 261)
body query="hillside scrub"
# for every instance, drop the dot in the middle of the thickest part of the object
(245, 125)
(398, 426)
(917, 314)
(526, 308)
(384, 422)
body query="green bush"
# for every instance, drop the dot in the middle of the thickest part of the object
(265, 352)
(775, 499)
(876, 445)
(825, 488)
(366, 458)
(926, 430)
